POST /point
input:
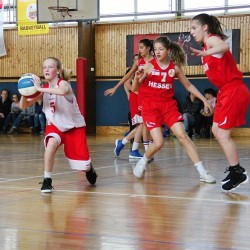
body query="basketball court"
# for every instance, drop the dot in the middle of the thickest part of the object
(168, 209)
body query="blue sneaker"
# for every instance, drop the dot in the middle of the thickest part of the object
(118, 147)
(166, 133)
(126, 133)
(135, 154)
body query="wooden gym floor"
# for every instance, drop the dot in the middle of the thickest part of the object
(168, 209)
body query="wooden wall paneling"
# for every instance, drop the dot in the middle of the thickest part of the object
(26, 53)
(168, 26)
(245, 48)
(244, 44)
(98, 50)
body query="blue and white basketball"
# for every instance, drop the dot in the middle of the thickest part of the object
(26, 86)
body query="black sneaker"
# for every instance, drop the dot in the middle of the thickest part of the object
(13, 131)
(91, 175)
(4, 131)
(46, 185)
(236, 179)
(231, 171)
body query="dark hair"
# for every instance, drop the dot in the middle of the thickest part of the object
(177, 53)
(128, 69)
(5, 90)
(210, 91)
(147, 43)
(214, 25)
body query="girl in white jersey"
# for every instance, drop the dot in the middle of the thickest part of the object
(65, 124)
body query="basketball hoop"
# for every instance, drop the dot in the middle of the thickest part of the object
(58, 14)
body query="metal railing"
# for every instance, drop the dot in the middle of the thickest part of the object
(10, 12)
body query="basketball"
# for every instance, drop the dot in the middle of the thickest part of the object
(26, 86)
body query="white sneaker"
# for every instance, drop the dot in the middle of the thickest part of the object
(140, 168)
(206, 177)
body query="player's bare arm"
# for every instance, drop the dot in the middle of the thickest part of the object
(27, 102)
(112, 91)
(192, 89)
(63, 88)
(214, 44)
(140, 76)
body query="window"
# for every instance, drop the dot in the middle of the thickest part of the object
(110, 9)
(135, 9)
(236, 4)
(9, 13)
(160, 8)
(120, 10)
(210, 7)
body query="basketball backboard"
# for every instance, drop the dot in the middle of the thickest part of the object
(78, 10)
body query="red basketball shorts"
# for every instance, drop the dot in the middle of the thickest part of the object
(231, 106)
(136, 117)
(155, 113)
(75, 145)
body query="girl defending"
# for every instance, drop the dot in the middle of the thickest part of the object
(155, 84)
(233, 96)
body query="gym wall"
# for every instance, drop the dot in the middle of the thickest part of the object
(110, 56)
(26, 53)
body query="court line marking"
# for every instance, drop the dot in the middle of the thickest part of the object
(2, 180)
(141, 195)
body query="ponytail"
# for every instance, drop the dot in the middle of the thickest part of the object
(214, 25)
(66, 74)
(177, 53)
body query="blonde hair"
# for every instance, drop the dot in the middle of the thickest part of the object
(65, 73)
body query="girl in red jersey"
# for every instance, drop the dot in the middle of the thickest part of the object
(145, 55)
(233, 96)
(65, 124)
(155, 83)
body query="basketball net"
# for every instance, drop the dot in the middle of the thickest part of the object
(58, 14)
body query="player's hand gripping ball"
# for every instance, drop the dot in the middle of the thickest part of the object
(26, 86)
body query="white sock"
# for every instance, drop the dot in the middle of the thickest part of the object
(146, 145)
(199, 166)
(124, 141)
(47, 174)
(135, 145)
(145, 159)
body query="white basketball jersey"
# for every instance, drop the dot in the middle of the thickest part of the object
(62, 111)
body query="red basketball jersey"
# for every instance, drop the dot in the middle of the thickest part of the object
(160, 82)
(233, 97)
(221, 69)
(141, 63)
